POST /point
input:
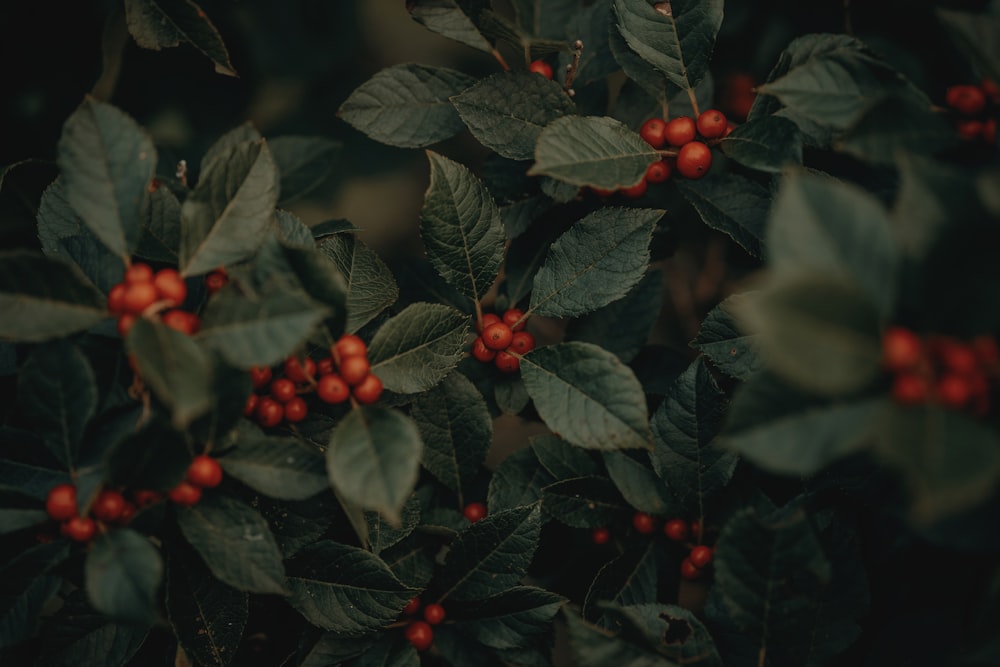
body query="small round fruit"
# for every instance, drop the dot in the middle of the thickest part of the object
(965, 99)
(711, 124)
(354, 369)
(512, 318)
(497, 336)
(108, 506)
(600, 535)
(138, 297)
(654, 132)
(296, 410)
(116, 299)
(637, 190)
(901, 349)
(969, 129)
(269, 412)
(60, 503)
(676, 529)
(694, 160)
(80, 529)
(251, 405)
(170, 286)
(204, 471)
(138, 273)
(215, 281)
(689, 570)
(349, 345)
(658, 172)
(481, 352)
(300, 372)
(644, 523)
(434, 613)
(958, 357)
(910, 389)
(488, 319)
(332, 389)
(325, 366)
(125, 323)
(283, 390)
(369, 390)
(507, 362)
(541, 67)
(260, 376)
(474, 511)
(179, 320)
(146, 497)
(412, 607)
(680, 131)
(953, 390)
(420, 634)
(185, 493)
(522, 342)
(700, 556)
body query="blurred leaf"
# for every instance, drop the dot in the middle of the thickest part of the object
(123, 571)
(931, 194)
(583, 502)
(332, 648)
(518, 481)
(160, 24)
(733, 205)
(977, 35)
(21, 621)
(303, 163)
(451, 19)
(29, 480)
(593, 646)
(371, 287)
(723, 341)
(670, 630)
(638, 484)
(282, 468)
(394, 651)
(768, 143)
(628, 579)
(623, 326)
(407, 105)
(79, 636)
(154, 457)
(417, 348)
(384, 535)
(892, 126)
(18, 587)
(512, 618)
(545, 18)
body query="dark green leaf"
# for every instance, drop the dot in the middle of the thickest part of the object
(721, 339)
(591, 26)
(672, 631)
(417, 348)
(512, 618)
(587, 396)
(235, 543)
(628, 579)
(160, 235)
(227, 216)
(106, 162)
(976, 34)
(297, 524)
(43, 298)
(624, 325)
(593, 646)
(241, 134)
(154, 457)
(282, 468)
(123, 571)
(638, 484)
(161, 24)
(456, 428)
(931, 194)
(371, 287)
(769, 143)
(561, 459)
(583, 502)
(333, 648)
(518, 481)
(304, 163)
(597, 261)
(292, 233)
(345, 589)
(733, 205)
(643, 77)
(393, 651)
(507, 111)
(545, 18)
(411, 560)
(407, 105)
(12, 520)
(373, 459)
(510, 395)
(21, 570)
(79, 636)
(451, 19)
(491, 555)
(592, 150)
(21, 620)
(382, 535)
(892, 126)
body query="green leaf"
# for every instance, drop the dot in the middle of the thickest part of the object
(382, 535)
(394, 651)
(461, 228)
(371, 287)
(545, 18)
(638, 484)
(931, 194)
(345, 589)
(561, 459)
(20, 570)
(512, 618)
(160, 234)
(227, 216)
(174, 367)
(722, 340)
(593, 646)
(373, 459)
(733, 205)
(587, 396)
(597, 261)
(676, 39)
(590, 25)
(207, 616)
(975, 34)
(57, 395)
(123, 571)
(297, 524)
(892, 126)
(685, 426)
(161, 24)
(21, 621)
(79, 636)
(768, 144)
(457, 430)
(235, 543)
(592, 150)
(491, 555)
(304, 163)
(507, 111)
(43, 298)
(245, 132)
(410, 560)
(623, 326)
(670, 630)
(628, 579)
(258, 331)
(451, 19)
(407, 105)
(583, 502)
(106, 162)
(28, 480)
(282, 468)
(154, 457)
(518, 481)
(414, 350)
(333, 648)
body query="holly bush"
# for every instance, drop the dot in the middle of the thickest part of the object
(222, 422)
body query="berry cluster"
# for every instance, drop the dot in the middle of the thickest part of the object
(502, 340)
(344, 375)
(204, 472)
(419, 632)
(678, 530)
(941, 369)
(975, 110)
(144, 293)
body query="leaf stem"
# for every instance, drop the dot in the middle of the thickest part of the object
(503, 63)
(694, 102)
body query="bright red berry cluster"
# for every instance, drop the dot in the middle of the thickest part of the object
(144, 293)
(419, 632)
(204, 472)
(941, 369)
(975, 108)
(699, 556)
(502, 340)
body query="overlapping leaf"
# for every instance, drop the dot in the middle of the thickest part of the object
(623, 326)
(769, 144)
(512, 618)
(451, 18)
(583, 502)
(371, 287)
(281, 468)
(733, 205)
(721, 339)
(160, 24)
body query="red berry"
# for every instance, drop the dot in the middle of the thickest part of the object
(204, 471)
(712, 124)
(497, 336)
(488, 319)
(474, 511)
(412, 607)
(676, 529)
(116, 299)
(953, 390)
(185, 493)
(637, 190)
(354, 369)
(349, 345)
(512, 318)
(600, 535)
(986, 349)
(325, 366)
(434, 613)
(689, 571)
(644, 523)
(965, 99)
(369, 390)
(179, 320)
(481, 352)
(541, 67)
(507, 362)
(60, 504)
(215, 281)
(300, 372)
(146, 497)
(296, 410)
(138, 273)
(658, 172)
(125, 323)
(170, 286)
(332, 389)
(420, 634)
(260, 376)
(694, 160)
(138, 297)
(969, 129)
(654, 132)
(269, 412)
(958, 357)
(283, 390)
(108, 506)
(901, 349)
(80, 529)
(251, 405)
(680, 131)
(910, 389)
(700, 556)
(522, 342)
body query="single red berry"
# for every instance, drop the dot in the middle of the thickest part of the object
(522, 342)
(658, 172)
(269, 412)
(488, 319)
(901, 349)
(600, 535)
(644, 523)
(420, 634)
(283, 390)
(332, 389)
(689, 570)
(676, 529)
(296, 410)
(910, 389)
(300, 372)
(541, 67)
(179, 320)
(654, 132)
(260, 377)
(965, 99)
(325, 366)
(138, 297)
(434, 613)
(185, 493)
(953, 390)
(712, 124)
(80, 529)
(694, 160)
(60, 503)
(507, 362)
(497, 336)
(369, 390)
(354, 369)
(170, 286)
(204, 471)
(215, 281)
(700, 556)
(412, 607)
(138, 273)
(986, 349)
(969, 129)
(349, 345)
(481, 352)
(512, 318)
(125, 323)
(146, 497)
(251, 405)
(108, 506)
(958, 357)
(116, 299)
(474, 511)
(680, 131)
(637, 190)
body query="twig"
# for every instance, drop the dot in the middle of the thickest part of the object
(573, 68)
